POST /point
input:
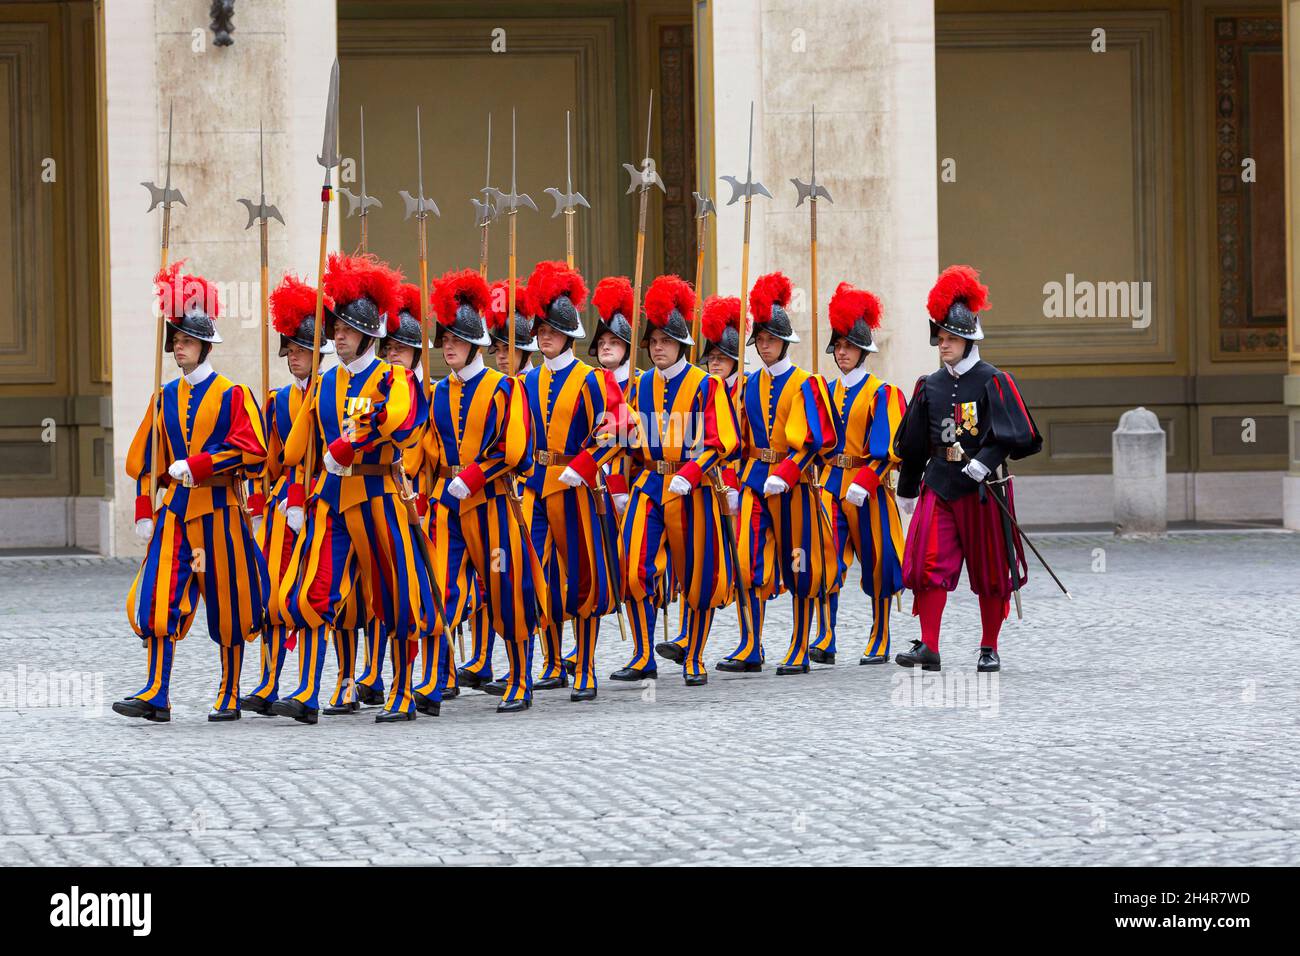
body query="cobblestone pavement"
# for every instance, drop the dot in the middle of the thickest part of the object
(1151, 720)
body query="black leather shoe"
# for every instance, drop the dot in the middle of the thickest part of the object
(632, 674)
(472, 680)
(579, 695)
(783, 669)
(223, 716)
(256, 704)
(877, 659)
(671, 651)
(497, 688)
(295, 709)
(336, 710)
(989, 661)
(696, 680)
(819, 656)
(570, 666)
(394, 716)
(513, 706)
(921, 655)
(426, 706)
(730, 665)
(135, 707)
(369, 695)
(552, 683)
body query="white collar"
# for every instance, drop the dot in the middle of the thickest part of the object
(361, 362)
(561, 361)
(855, 375)
(965, 365)
(622, 372)
(200, 374)
(782, 366)
(301, 383)
(672, 371)
(470, 370)
(731, 381)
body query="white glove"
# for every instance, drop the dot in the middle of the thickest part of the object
(281, 505)
(180, 471)
(679, 485)
(975, 470)
(906, 505)
(332, 466)
(856, 495)
(459, 490)
(775, 486)
(571, 478)
(257, 525)
(620, 503)
(733, 500)
(144, 529)
(293, 517)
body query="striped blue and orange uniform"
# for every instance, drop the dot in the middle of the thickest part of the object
(357, 535)
(577, 413)
(275, 538)
(867, 413)
(202, 544)
(479, 432)
(686, 426)
(784, 539)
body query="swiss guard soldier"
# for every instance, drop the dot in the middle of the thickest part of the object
(785, 534)
(611, 346)
(867, 412)
(357, 534)
(576, 414)
(478, 437)
(277, 521)
(963, 423)
(199, 543)
(685, 427)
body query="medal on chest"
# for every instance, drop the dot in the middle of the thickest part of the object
(967, 419)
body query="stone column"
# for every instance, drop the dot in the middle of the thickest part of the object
(160, 53)
(1138, 464)
(868, 67)
(1291, 383)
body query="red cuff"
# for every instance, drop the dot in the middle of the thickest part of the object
(342, 451)
(143, 508)
(867, 478)
(617, 484)
(585, 465)
(422, 504)
(787, 471)
(256, 504)
(730, 478)
(473, 477)
(296, 496)
(200, 466)
(691, 472)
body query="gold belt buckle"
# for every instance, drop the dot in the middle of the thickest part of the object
(769, 456)
(844, 461)
(543, 457)
(953, 452)
(663, 467)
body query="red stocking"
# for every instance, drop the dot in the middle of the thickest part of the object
(929, 608)
(993, 611)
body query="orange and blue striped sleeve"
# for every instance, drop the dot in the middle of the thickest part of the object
(809, 429)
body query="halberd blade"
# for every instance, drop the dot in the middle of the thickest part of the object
(329, 150)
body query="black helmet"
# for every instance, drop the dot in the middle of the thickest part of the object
(954, 303)
(853, 313)
(613, 301)
(555, 294)
(189, 304)
(498, 331)
(767, 302)
(459, 301)
(365, 292)
(720, 327)
(293, 314)
(408, 331)
(668, 301)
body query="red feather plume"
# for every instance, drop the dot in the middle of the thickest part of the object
(720, 312)
(957, 282)
(499, 302)
(849, 304)
(176, 292)
(666, 293)
(613, 295)
(408, 298)
(349, 278)
(769, 289)
(549, 281)
(455, 289)
(292, 301)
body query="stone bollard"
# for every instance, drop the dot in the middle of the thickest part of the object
(1138, 466)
